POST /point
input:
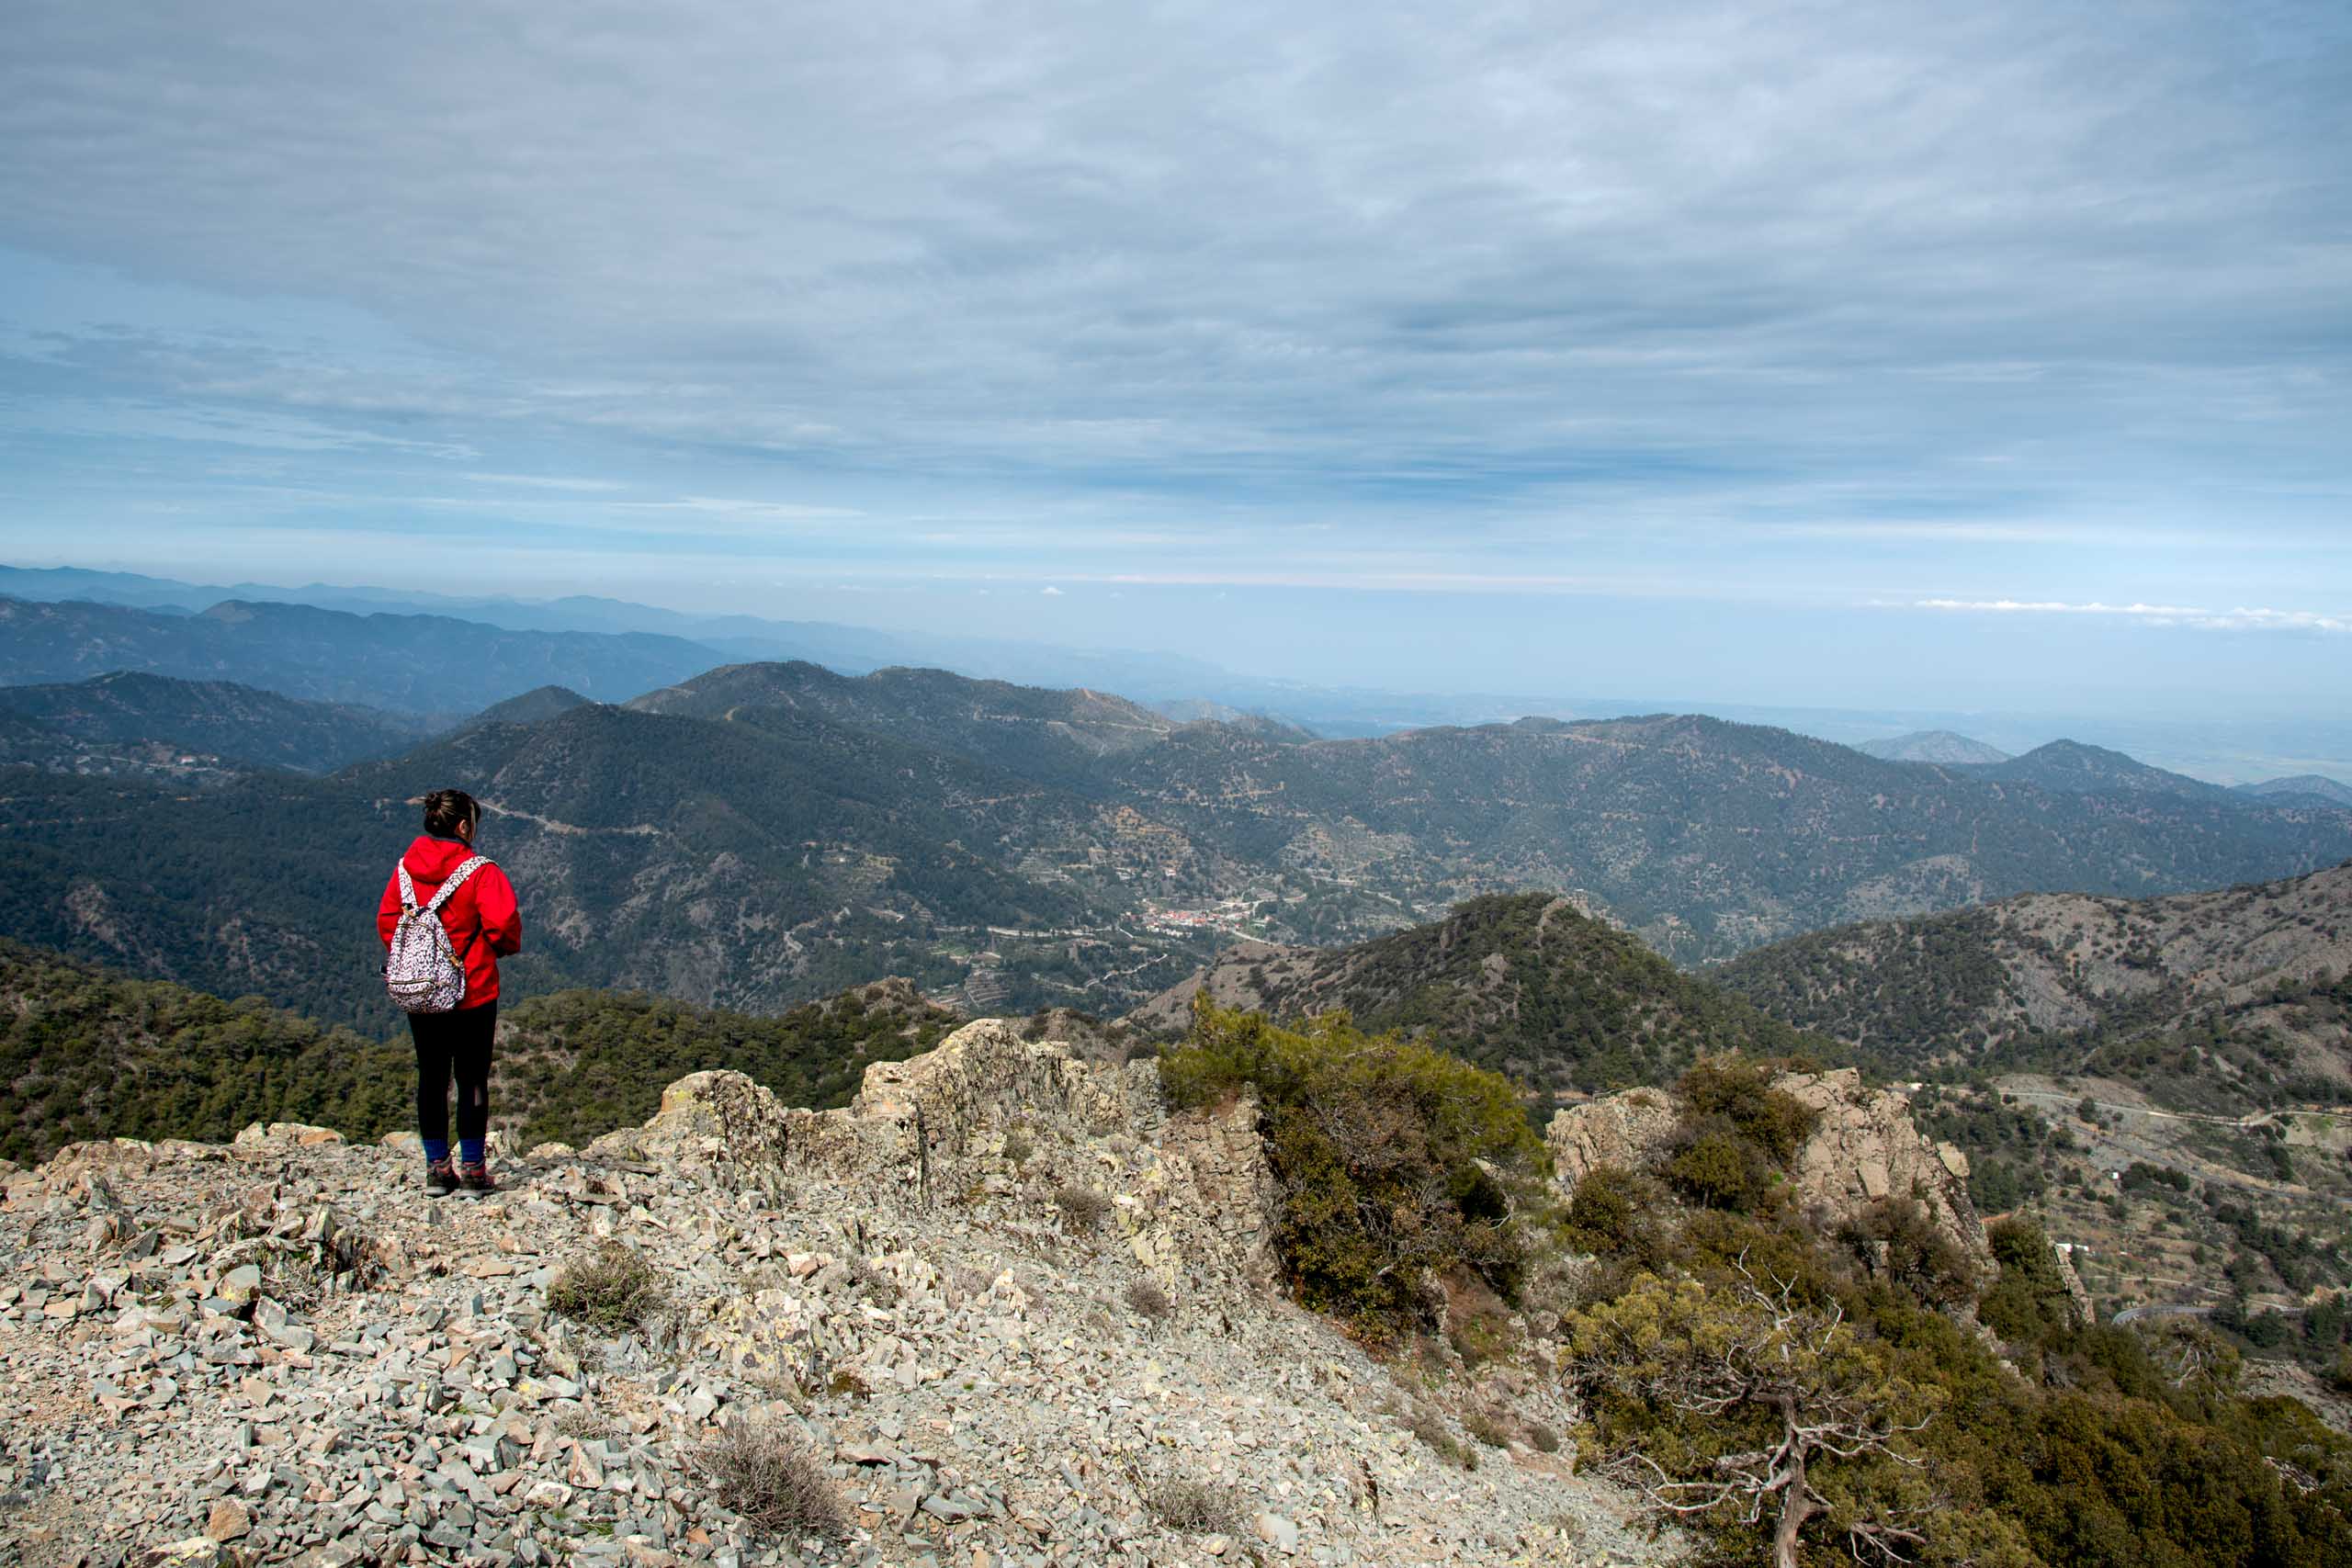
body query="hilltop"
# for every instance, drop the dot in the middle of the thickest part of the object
(1019, 1303)
(136, 723)
(1526, 984)
(1932, 746)
(2302, 786)
(2071, 767)
(2262, 959)
(1048, 736)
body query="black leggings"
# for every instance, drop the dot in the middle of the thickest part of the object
(453, 1043)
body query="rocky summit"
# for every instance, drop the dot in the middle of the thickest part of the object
(1004, 1309)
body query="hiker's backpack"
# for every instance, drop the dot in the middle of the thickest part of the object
(421, 972)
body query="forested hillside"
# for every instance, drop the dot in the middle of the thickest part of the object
(723, 864)
(88, 1052)
(1705, 837)
(1048, 736)
(2240, 992)
(1525, 983)
(130, 722)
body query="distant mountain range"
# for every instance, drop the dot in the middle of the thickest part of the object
(2304, 787)
(2072, 768)
(2252, 984)
(133, 722)
(760, 835)
(410, 664)
(1932, 746)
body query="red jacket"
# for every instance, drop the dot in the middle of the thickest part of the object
(484, 922)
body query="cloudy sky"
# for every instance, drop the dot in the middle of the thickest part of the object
(1990, 354)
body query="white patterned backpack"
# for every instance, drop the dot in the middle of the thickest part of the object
(422, 970)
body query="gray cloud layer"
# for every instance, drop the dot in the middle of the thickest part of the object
(1771, 264)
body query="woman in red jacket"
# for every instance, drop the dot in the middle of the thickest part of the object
(485, 925)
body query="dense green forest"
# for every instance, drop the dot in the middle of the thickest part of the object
(88, 1054)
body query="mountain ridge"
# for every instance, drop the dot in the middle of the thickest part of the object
(1942, 746)
(135, 721)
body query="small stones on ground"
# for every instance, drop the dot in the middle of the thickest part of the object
(853, 1359)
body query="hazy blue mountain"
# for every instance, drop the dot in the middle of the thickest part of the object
(2074, 768)
(2305, 786)
(1942, 745)
(133, 721)
(416, 664)
(1706, 837)
(542, 703)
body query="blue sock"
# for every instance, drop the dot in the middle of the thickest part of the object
(470, 1150)
(436, 1150)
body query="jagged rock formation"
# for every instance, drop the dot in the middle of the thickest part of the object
(277, 1350)
(1864, 1147)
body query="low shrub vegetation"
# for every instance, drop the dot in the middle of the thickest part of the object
(772, 1480)
(1396, 1162)
(612, 1289)
(1195, 1507)
(1083, 1209)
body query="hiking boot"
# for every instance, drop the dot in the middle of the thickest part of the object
(440, 1178)
(474, 1177)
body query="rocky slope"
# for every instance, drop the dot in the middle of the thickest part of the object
(279, 1352)
(2260, 959)
(1863, 1147)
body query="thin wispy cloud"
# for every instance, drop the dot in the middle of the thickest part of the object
(2242, 619)
(1828, 307)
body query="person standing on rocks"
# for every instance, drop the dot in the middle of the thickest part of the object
(454, 1024)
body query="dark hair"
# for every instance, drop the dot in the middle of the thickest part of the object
(446, 810)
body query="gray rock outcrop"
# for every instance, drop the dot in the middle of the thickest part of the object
(1864, 1147)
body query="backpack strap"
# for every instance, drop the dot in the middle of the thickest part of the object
(408, 888)
(456, 880)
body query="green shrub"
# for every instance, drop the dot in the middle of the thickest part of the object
(1740, 1090)
(612, 1289)
(1897, 1239)
(1717, 1168)
(1395, 1161)
(2028, 1302)
(1430, 1429)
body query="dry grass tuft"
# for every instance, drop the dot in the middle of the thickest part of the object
(1083, 1209)
(772, 1481)
(1146, 1298)
(612, 1290)
(1195, 1507)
